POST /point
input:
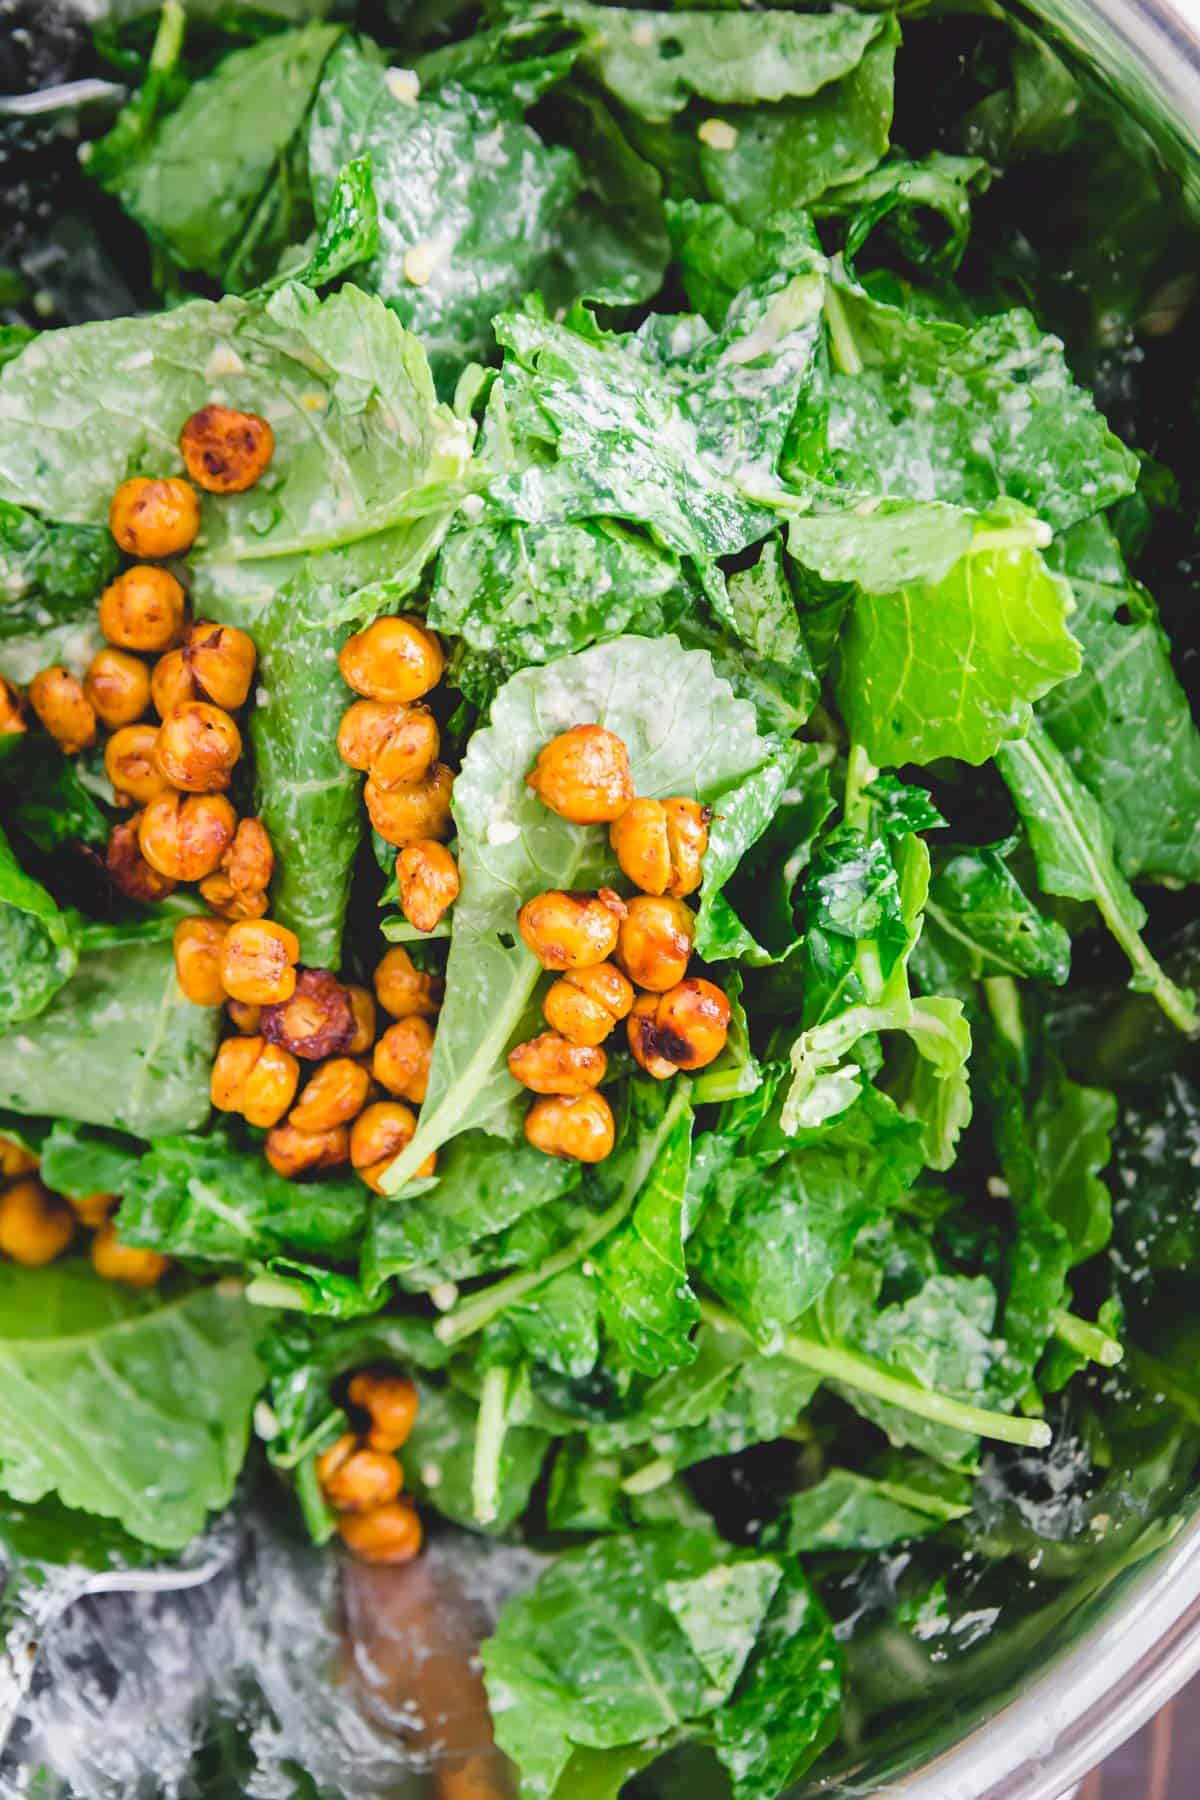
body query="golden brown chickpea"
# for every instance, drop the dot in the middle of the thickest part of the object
(254, 1078)
(362, 1481)
(117, 686)
(225, 452)
(198, 960)
(364, 731)
(655, 943)
(337, 1093)
(427, 878)
(221, 662)
(249, 861)
(128, 868)
(15, 1159)
(391, 1402)
(197, 748)
(585, 1004)
(393, 659)
(644, 1043)
(293, 1153)
(94, 1210)
(402, 1058)
(184, 836)
(64, 709)
(258, 962)
(12, 718)
(408, 751)
(390, 1534)
(687, 838)
(244, 1017)
(172, 684)
(143, 609)
(583, 775)
(219, 893)
(577, 1130)
(362, 1005)
(131, 765)
(571, 931)
(331, 1460)
(548, 1064)
(685, 1028)
(114, 1261)
(377, 1137)
(660, 845)
(315, 1021)
(35, 1225)
(402, 990)
(154, 518)
(420, 810)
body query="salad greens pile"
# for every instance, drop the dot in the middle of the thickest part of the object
(717, 377)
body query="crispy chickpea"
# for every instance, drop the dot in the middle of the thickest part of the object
(15, 1159)
(377, 1137)
(197, 748)
(244, 1017)
(132, 1267)
(571, 931)
(583, 775)
(402, 990)
(254, 1078)
(427, 877)
(643, 1041)
(585, 1004)
(219, 893)
(331, 1460)
(393, 659)
(292, 1153)
(127, 867)
(224, 451)
(143, 609)
(389, 1534)
(315, 1021)
(655, 943)
(35, 1225)
(408, 751)
(685, 1028)
(117, 685)
(198, 960)
(172, 684)
(336, 1094)
(578, 1129)
(364, 731)
(184, 836)
(660, 845)
(364, 1480)
(131, 765)
(12, 718)
(94, 1210)
(249, 861)
(548, 1064)
(221, 662)
(402, 1058)
(64, 709)
(420, 810)
(362, 1005)
(154, 518)
(258, 962)
(390, 1402)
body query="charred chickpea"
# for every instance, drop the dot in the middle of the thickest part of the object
(660, 845)
(219, 893)
(115, 1261)
(390, 1402)
(117, 685)
(64, 709)
(427, 877)
(583, 776)
(94, 1210)
(254, 1078)
(154, 518)
(316, 1020)
(224, 451)
(220, 660)
(685, 1028)
(402, 990)
(389, 1534)
(249, 861)
(643, 1042)
(420, 810)
(244, 1017)
(15, 1159)
(584, 1005)
(402, 1058)
(35, 1225)
(184, 836)
(198, 960)
(362, 1005)
(571, 931)
(172, 684)
(580, 1129)
(655, 943)
(132, 767)
(394, 659)
(258, 962)
(292, 1153)
(362, 1481)
(143, 609)
(127, 867)
(197, 748)
(548, 1064)
(377, 1137)
(12, 718)
(335, 1094)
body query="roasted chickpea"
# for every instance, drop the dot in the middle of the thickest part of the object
(685, 1028)
(391, 1402)
(258, 962)
(377, 1137)
(389, 1534)
(94, 1210)
(393, 659)
(409, 750)
(336, 1093)
(117, 686)
(571, 931)
(427, 877)
(364, 731)
(64, 709)
(220, 660)
(362, 1005)
(660, 844)
(402, 1058)
(127, 867)
(585, 1004)
(225, 452)
(218, 892)
(172, 684)
(131, 766)
(420, 810)
(249, 861)
(579, 1129)
(402, 990)
(583, 775)
(655, 943)
(198, 960)
(548, 1064)
(35, 1225)
(184, 836)
(643, 1041)
(12, 718)
(364, 1480)
(254, 1078)
(292, 1153)
(15, 1159)
(197, 748)
(331, 1460)
(132, 1267)
(315, 1021)
(154, 518)
(143, 609)
(244, 1017)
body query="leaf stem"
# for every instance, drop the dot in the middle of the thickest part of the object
(1087, 1339)
(490, 1431)
(651, 1475)
(860, 773)
(1003, 998)
(841, 337)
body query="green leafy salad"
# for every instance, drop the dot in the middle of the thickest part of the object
(599, 816)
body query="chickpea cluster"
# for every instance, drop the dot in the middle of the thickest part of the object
(392, 736)
(361, 1477)
(614, 959)
(37, 1225)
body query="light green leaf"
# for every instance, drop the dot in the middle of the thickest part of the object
(647, 1305)
(721, 1613)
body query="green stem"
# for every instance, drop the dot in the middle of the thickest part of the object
(1088, 1340)
(1003, 998)
(860, 773)
(490, 1432)
(841, 336)
(651, 1475)
(273, 1290)
(168, 39)
(1034, 536)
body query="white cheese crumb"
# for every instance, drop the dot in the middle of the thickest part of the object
(313, 401)
(431, 1474)
(718, 134)
(472, 506)
(997, 1188)
(224, 360)
(420, 262)
(403, 85)
(502, 831)
(266, 1425)
(444, 1295)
